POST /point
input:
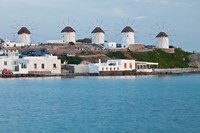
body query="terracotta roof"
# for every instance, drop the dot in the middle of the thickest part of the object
(98, 29)
(162, 34)
(23, 30)
(68, 29)
(127, 29)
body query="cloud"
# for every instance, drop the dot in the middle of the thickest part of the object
(166, 2)
(140, 17)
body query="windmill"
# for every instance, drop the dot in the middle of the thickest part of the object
(163, 36)
(69, 34)
(97, 33)
(24, 32)
(24, 35)
(163, 40)
(98, 36)
(128, 36)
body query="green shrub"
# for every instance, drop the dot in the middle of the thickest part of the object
(71, 59)
(116, 55)
(166, 60)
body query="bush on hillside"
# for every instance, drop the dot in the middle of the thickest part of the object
(71, 59)
(116, 55)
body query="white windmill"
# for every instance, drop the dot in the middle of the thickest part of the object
(163, 40)
(69, 34)
(98, 36)
(163, 34)
(24, 36)
(128, 36)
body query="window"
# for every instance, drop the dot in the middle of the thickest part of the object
(23, 66)
(5, 63)
(102, 68)
(125, 65)
(35, 66)
(130, 65)
(111, 69)
(54, 65)
(42, 66)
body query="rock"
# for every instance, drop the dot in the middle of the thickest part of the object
(195, 60)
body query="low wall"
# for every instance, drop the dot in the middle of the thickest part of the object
(176, 70)
(116, 73)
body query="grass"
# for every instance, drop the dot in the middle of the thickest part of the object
(166, 60)
(116, 55)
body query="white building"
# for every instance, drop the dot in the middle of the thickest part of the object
(69, 34)
(9, 43)
(122, 65)
(110, 45)
(98, 36)
(80, 68)
(54, 41)
(24, 36)
(30, 65)
(163, 40)
(9, 60)
(128, 37)
(142, 66)
(112, 65)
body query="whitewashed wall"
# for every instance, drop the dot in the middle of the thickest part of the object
(127, 38)
(117, 65)
(48, 62)
(25, 38)
(23, 65)
(110, 45)
(98, 38)
(163, 42)
(70, 37)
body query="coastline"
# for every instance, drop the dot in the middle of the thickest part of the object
(166, 71)
(176, 71)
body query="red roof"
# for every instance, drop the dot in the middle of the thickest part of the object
(127, 29)
(68, 29)
(98, 30)
(23, 30)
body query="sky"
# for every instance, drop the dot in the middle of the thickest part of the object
(180, 19)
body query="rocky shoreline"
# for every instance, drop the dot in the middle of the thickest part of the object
(176, 71)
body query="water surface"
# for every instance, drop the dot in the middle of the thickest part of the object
(143, 104)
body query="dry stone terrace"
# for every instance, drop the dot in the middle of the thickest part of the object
(58, 49)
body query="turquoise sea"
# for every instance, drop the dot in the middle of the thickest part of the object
(142, 104)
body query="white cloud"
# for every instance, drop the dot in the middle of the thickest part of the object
(166, 2)
(140, 17)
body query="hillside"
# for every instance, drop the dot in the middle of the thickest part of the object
(166, 60)
(92, 53)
